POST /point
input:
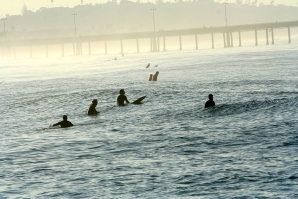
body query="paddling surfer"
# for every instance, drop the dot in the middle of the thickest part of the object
(210, 102)
(92, 110)
(64, 123)
(121, 98)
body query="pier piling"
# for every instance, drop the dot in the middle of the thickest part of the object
(272, 34)
(232, 42)
(180, 42)
(121, 47)
(224, 38)
(289, 34)
(239, 35)
(228, 40)
(138, 50)
(212, 38)
(196, 38)
(256, 36)
(267, 38)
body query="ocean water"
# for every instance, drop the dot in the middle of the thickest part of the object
(167, 147)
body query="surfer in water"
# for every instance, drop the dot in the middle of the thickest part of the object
(148, 65)
(210, 102)
(150, 78)
(155, 76)
(121, 98)
(64, 123)
(92, 110)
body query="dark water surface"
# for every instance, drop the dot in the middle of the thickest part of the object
(168, 147)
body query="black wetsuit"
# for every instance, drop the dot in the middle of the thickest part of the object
(209, 103)
(64, 124)
(121, 99)
(92, 110)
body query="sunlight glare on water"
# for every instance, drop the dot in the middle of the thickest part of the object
(167, 147)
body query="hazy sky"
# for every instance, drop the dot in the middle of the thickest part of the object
(13, 7)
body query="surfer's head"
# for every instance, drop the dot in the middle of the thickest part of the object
(157, 72)
(65, 117)
(210, 96)
(122, 92)
(94, 102)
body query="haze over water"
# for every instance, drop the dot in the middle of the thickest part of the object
(167, 147)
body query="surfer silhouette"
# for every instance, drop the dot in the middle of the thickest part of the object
(148, 65)
(64, 123)
(155, 76)
(121, 98)
(210, 102)
(92, 110)
(150, 78)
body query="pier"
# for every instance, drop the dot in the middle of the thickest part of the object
(155, 37)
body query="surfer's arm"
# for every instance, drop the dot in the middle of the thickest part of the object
(126, 100)
(118, 100)
(57, 124)
(95, 111)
